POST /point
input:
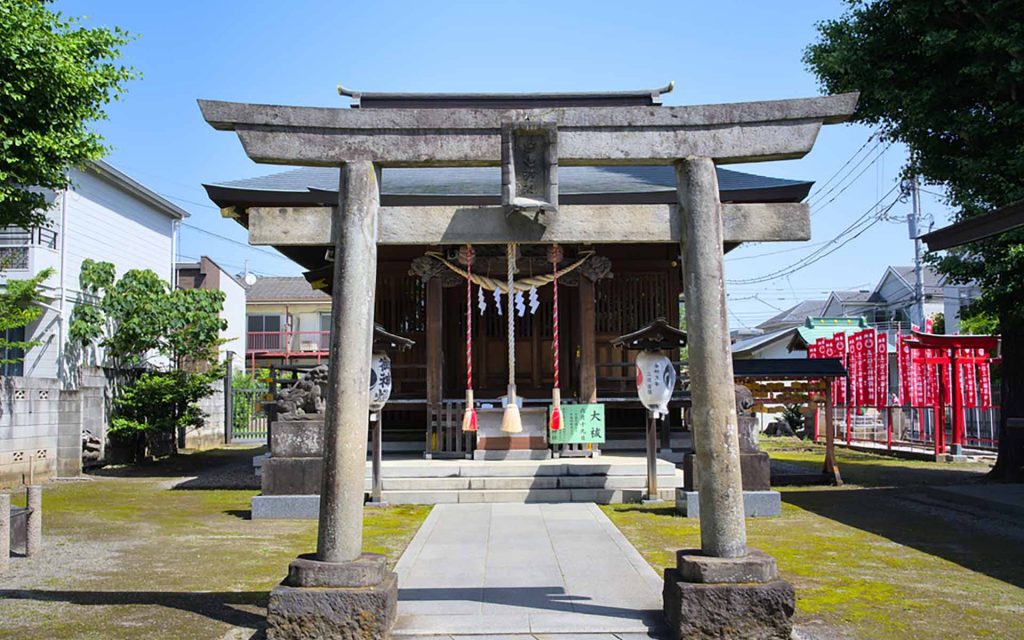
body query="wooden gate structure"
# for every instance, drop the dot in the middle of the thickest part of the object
(344, 236)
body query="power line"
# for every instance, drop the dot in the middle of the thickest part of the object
(857, 227)
(773, 253)
(818, 196)
(815, 209)
(817, 188)
(237, 242)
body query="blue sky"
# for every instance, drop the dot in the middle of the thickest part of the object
(297, 52)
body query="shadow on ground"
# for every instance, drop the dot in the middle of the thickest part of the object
(217, 469)
(219, 606)
(551, 598)
(988, 544)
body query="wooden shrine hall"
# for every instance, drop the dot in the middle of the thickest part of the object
(620, 269)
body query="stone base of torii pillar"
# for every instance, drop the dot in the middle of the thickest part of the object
(724, 589)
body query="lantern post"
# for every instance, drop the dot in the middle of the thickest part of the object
(380, 391)
(655, 382)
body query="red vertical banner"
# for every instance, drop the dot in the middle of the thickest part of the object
(882, 369)
(838, 350)
(968, 374)
(928, 325)
(947, 384)
(918, 379)
(856, 370)
(903, 362)
(869, 379)
(812, 351)
(984, 381)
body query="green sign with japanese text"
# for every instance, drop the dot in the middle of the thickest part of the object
(581, 424)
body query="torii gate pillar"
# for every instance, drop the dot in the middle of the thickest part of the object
(341, 590)
(723, 586)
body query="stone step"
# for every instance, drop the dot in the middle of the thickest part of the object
(600, 496)
(526, 483)
(519, 469)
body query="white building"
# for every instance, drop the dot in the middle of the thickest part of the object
(104, 215)
(207, 274)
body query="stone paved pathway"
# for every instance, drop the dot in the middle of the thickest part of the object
(510, 569)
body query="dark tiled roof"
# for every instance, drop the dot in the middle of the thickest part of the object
(487, 180)
(281, 288)
(852, 296)
(933, 281)
(797, 313)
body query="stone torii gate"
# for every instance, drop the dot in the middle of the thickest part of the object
(342, 592)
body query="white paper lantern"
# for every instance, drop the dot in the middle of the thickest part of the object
(655, 380)
(380, 381)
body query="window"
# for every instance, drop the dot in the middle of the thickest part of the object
(12, 353)
(325, 331)
(265, 333)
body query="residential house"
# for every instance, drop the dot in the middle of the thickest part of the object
(794, 316)
(845, 304)
(288, 322)
(104, 215)
(207, 274)
(47, 401)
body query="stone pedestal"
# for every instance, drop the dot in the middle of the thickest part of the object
(755, 471)
(354, 600)
(708, 597)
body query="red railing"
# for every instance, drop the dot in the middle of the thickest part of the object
(913, 427)
(288, 343)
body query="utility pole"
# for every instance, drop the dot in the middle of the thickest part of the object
(909, 187)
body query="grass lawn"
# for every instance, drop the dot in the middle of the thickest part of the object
(129, 555)
(876, 559)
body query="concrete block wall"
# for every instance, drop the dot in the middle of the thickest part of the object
(95, 394)
(211, 433)
(29, 417)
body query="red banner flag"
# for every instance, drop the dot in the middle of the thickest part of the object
(882, 369)
(838, 350)
(984, 381)
(870, 377)
(968, 374)
(905, 371)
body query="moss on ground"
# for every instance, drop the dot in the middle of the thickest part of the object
(138, 558)
(873, 562)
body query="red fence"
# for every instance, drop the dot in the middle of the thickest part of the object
(912, 427)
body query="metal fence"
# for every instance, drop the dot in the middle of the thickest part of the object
(249, 419)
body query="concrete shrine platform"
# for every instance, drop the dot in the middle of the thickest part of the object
(606, 479)
(478, 569)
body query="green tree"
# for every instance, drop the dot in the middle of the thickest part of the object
(946, 78)
(55, 78)
(18, 309)
(136, 318)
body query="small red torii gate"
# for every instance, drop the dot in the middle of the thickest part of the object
(949, 352)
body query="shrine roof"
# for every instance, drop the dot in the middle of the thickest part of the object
(407, 100)
(482, 186)
(789, 368)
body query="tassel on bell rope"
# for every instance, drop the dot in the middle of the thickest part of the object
(554, 257)
(511, 422)
(466, 255)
